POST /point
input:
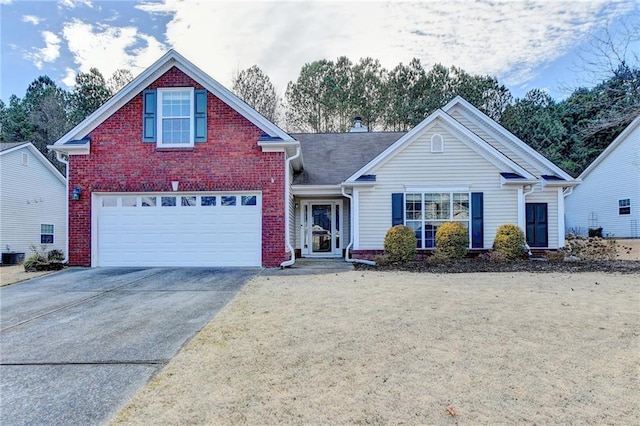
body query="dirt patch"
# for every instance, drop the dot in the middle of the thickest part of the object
(398, 347)
(15, 273)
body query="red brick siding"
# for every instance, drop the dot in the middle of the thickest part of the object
(230, 160)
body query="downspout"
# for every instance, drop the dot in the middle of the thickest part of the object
(287, 203)
(568, 191)
(351, 233)
(64, 161)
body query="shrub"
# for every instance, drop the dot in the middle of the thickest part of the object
(438, 258)
(510, 242)
(400, 244)
(55, 256)
(40, 260)
(554, 255)
(33, 262)
(452, 240)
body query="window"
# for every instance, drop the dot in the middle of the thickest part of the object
(175, 117)
(129, 201)
(188, 201)
(624, 206)
(46, 234)
(148, 201)
(248, 200)
(207, 201)
(168, 201)
(228, 200)
(425, 212)
(109, 201)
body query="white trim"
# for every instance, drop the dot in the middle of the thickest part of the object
(521, 209)
(95, 197)
(356, 218)
(561, 225)
(459, 100)
(424, 189)
(617, 141)
(306, 233)
(315, 190)
(468, 138)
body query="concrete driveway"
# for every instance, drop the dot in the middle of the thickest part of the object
(78, 344)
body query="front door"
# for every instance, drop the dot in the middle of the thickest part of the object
(537, 234)
(322, 221)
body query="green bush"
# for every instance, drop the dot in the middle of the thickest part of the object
(452, 240)
(33, 262)
(510, 242)
(400, 244)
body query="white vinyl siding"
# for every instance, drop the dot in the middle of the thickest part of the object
(417, 166)
(31, 195)
(617, 177)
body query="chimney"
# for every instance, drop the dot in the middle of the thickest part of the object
(357, 125)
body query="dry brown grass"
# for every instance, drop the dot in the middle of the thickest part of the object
(391, 348)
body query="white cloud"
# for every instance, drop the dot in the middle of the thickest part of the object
(69, 78)
(509, 40)
(49, 53)
(72, 4)
(31, 19)
(109, 48)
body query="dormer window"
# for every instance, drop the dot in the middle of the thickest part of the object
(437, 143)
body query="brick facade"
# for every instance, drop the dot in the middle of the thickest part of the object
(230, 160)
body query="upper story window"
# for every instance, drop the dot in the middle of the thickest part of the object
(175, 117)
(624, 206)
(437, 143)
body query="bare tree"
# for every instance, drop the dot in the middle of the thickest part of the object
(255, 88)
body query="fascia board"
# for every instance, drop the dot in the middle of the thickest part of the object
(613, 145)
(477, 144)
(15, 148)
(458, 100)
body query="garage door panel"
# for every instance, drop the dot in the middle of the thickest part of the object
(181, 235)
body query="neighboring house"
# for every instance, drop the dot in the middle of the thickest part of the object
(609, 196)
(32, 200)
(175, 170)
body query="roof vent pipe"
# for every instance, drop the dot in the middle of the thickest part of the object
(357, 125)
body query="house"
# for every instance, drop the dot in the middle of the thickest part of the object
(175, 170)
(32, 200)
(609, 196)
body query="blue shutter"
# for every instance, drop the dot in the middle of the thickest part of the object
(477, 222)
(397, 209)
(149, 124)
(200, 115)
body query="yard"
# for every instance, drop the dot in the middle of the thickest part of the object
(399, 347)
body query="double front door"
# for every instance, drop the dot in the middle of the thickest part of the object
(321, 228)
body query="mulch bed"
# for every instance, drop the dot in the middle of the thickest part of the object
(480, 265)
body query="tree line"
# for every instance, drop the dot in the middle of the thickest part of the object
(327, 95)
(47, 111)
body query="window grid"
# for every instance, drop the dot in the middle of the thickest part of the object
(46, 233)
(176, 111)
(438, 208)
(624, 206)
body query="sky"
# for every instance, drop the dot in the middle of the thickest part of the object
(525, 44)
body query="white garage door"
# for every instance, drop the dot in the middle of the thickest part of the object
(174, 229)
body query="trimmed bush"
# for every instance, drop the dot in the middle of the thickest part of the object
(510, 242)
(452, 240)
(400, 244)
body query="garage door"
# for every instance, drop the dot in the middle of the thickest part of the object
(174, 229)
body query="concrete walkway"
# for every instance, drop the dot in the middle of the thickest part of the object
(312, 266)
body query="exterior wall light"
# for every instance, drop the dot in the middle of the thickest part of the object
(75, 195)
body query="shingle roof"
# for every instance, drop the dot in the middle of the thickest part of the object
(8, 145)
(330, 158)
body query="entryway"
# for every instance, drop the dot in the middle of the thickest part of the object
(321, 222)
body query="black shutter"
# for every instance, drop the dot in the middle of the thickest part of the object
(477, 221)
(397, 209)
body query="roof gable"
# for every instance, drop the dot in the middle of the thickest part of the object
(6, 148)
(161, 66)
(534, 159)
(612, 146)
(465, 136)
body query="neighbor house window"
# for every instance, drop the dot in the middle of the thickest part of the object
(175, 117)
(46, 234)
(624, 206)
(425, 212)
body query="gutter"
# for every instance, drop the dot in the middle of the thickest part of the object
(351, 233)
(287, 203)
